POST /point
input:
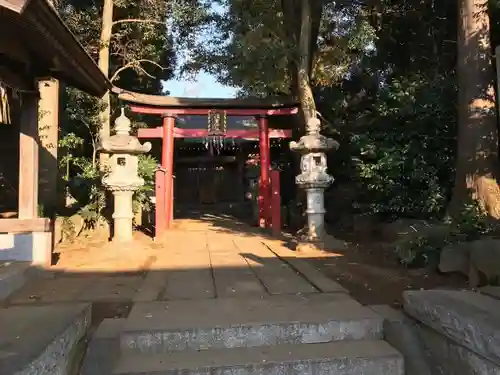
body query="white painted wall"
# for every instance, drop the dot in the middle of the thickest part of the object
(35, 247)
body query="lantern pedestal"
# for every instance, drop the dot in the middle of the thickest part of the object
(314, 179)
(123, 215)
(122, 178)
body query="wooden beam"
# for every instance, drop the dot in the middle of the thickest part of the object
(202, 133)
(21, 81)
(11, 47)
(13, 5)
(170, 102)
(205, 159)
(145, 110)
(28, 158)
(54, 49)
(25, 225)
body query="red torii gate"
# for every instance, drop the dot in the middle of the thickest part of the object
(170, 107)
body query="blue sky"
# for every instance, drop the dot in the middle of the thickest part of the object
(202, 86)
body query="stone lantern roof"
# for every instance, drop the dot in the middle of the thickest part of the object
(122, 142)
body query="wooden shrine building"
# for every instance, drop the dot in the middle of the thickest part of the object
(214, 141)
(35, 44)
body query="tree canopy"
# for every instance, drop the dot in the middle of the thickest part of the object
(385, 77)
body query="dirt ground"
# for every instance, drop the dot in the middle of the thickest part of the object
(370, 272)
(373, 275)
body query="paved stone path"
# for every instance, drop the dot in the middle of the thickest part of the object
(222, 297)
(194, 261)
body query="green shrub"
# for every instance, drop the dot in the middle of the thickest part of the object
(146, 170)
(423, 250)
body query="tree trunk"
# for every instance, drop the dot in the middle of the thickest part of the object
(290, 13)
(105, 40)
(303, 74)
(316, 9)
(477, 153)
(302, 40)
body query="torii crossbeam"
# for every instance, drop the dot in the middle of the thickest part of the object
(170, 107)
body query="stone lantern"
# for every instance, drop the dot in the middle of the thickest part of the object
(315, 179)
(121, 178)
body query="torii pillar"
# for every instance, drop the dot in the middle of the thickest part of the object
(167, 163)
(265, 167)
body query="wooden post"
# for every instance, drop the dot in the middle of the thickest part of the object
(275, 203)
(167, 160)
(269, 188)
(160, 214)
(172, 198)
(497, 60)
(28, 157)
(48, 135)
(265, 165)
(164, 147)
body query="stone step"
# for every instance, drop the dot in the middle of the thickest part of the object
(491, 291)
(42, 339)
(13, 275)
(158, 327)
(103, 350)
(465, 318)
(338, 358)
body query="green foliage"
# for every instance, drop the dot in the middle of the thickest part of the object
(146, 34)
(86, 187)
(384, 78)
(421, 251)
(68, 229)
(403, 150)
(472, 222)
(78, 145)
(424, 248)
(146, 169)
(246, 47)
(249, 47)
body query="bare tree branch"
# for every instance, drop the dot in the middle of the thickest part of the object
(137, 64)
(121, 69)
(145, 72)
(137, 20)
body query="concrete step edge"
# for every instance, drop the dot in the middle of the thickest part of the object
(228, 323)
(230, 312)
(13, 275)
(248, 335)
(103, 349)
(37, 345)
(338, 358)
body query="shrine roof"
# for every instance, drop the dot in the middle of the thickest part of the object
(205, 103)
(35, 43)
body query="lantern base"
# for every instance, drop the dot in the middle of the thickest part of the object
(123, 216)
(327, 243)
